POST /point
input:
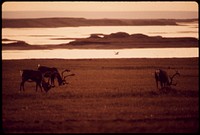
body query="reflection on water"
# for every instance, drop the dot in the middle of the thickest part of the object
(49, 36)
(101, 53)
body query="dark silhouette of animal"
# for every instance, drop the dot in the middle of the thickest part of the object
(116, 53)
(53, 73)
(34, 76)
(165, 80)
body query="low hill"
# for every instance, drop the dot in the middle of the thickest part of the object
(74, 22)
(124, 40)
(117, 40)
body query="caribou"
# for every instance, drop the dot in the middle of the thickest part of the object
(52, 73)
(165, 80)
(34, 76)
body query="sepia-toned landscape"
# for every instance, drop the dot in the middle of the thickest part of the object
(104, 96)
(99, 95)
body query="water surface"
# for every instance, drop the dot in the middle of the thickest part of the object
(101, 53)
(49, 36)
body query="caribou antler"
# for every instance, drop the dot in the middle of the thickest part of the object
(64, 81)
(68, 75)
(66, 70)
(171, 78)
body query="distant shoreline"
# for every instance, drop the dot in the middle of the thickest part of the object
(76, 22)
(119, 40)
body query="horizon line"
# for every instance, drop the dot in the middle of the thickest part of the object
(95, 11)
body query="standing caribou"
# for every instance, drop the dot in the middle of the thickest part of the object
(34, 76)
(52, 73)
(165, 80)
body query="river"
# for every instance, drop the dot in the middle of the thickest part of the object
(101, 53)
(55, 36)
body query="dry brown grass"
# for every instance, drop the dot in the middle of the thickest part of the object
(115, 96)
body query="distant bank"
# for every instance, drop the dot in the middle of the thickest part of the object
(75, 22)
(119, 40)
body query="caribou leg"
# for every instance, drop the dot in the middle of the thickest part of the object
(52, 80)
(161, 84)
(40, 87)
(38, 84)
(22, 85)
(157, 84)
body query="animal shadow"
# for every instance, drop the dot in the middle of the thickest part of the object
(164, 91)
(167, 90)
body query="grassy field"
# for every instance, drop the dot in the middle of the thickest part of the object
(104, 96)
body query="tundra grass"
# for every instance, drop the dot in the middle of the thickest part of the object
(104, 96)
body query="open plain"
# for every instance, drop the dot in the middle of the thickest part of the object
(104, 96)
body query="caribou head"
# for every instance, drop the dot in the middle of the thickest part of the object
(62, 79)
(52, 73)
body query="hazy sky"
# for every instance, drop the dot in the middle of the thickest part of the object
(100, 6)
(99, 10)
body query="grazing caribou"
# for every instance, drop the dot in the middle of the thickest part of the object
(165, 80)
(34, 76)
(53, 73)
